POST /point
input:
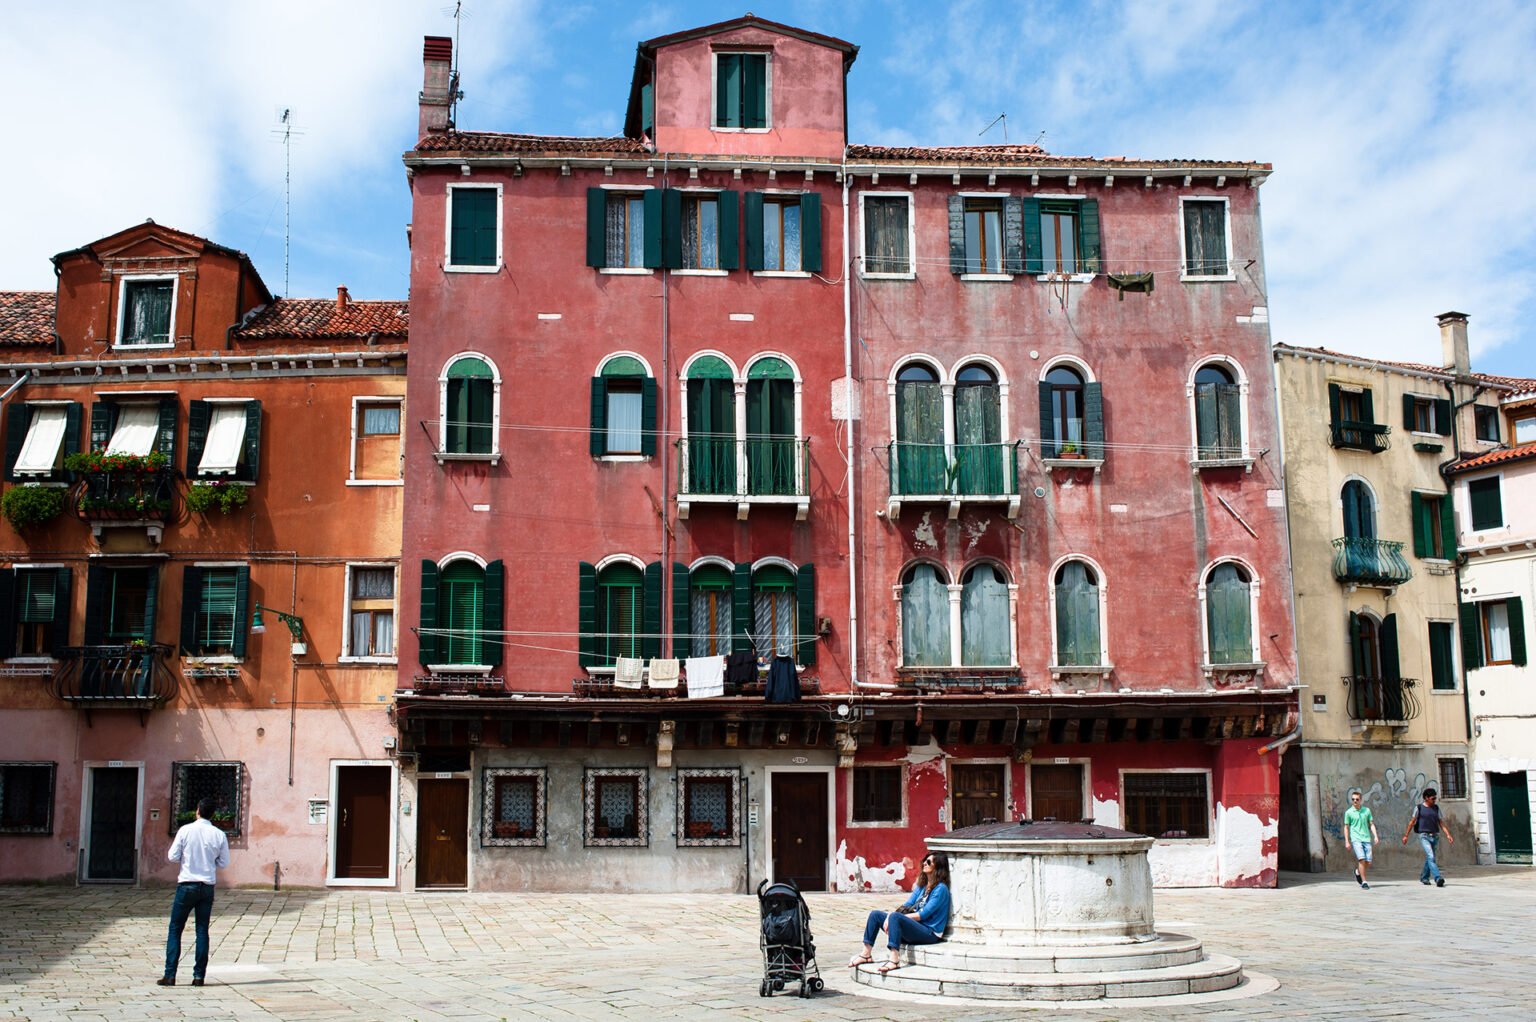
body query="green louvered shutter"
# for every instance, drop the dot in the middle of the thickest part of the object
(491, 641)
(96, 582)
(1013, 234)
(1334, 405)
(103, 419)
(1047, 422)
(1358, 656)
(648, 427)
(671, 228)
(1423, 542)
(653, 230)
(810, 232)
(730, 237)
(1367, 408)
(1088, 241)
(1447, 527)
(956, 234)
(1471, 637)
(1410, 405)
(586, 613)
(1093, 420)
(753, 212)
(191, 600)
(741, 608)
(1443, 416)
(251, 466)
(428, 639)
(682, 619)
(1034, 258)
(805, 614)
(199, 414)
(63, 583)
(597, 227)
(151, 600)
(8, 585)
(71, 435)
(597, 439)
(728, 73)
(1516, 611)
(1442, 666)
(242, 609)
(472, 233)
(650, 642)
(754, 90)
(165, 439)
(1386, 636)
(17, 419)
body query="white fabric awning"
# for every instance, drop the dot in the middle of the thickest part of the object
(226, 433)
(137, 427)
(40, 451)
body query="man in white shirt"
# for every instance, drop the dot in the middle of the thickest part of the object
(202, 849)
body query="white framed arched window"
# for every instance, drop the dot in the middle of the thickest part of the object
(924, 600)
(712, 421)
(987, 610)
(1079, 607)
(1229, 611)
(469, 409)
(1217, 389)
(1071, 411)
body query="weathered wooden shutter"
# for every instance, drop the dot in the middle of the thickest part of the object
(63, 583)
(1386, 637)
(1443, 416)
(726, 205)
(191, 604)
(650, 642)
(151, 599)
(741, 608)
(165, 439)
(8, 582)
(597, 439)
(199, 413)
(597, 227)
(1447, 528)
(18, 418)
(956, 234)
(648, 425)
(251, 466)
(103, 420)
(1088, 240)
(1442, 666)
(805, 614)
(1410, 406)
(1034, 255)
(1423, 542)
(1367, 409)
(671, 221)
(428, 640)
(242, 609)
(96, 581)
(754, 90)
(925, 619)
(1013, 235)
(1047, 422)
(984, 626)
(1471, 637)
(810, 232)
(1357, 654)
(682, 617)
(586, 613)
(1334, 405)
(1093, 420)
(752, 203)
(492, 614)
(1229, 419)
(1515, 609)
(71, 434)
(1352, 523)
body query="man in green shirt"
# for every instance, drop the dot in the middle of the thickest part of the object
(1360, 832)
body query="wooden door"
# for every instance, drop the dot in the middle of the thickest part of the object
(1511, 806)
(110, 832)
(976, 793)
(363, 817)
(442, 833)
(1056, 792)
(800, 830)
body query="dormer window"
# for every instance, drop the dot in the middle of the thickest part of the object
(145, 316)
(741, 91)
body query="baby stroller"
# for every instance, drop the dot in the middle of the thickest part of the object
(788, 953)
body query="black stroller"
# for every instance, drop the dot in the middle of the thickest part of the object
(788, 953)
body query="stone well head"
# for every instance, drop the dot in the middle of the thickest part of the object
(1056, 884)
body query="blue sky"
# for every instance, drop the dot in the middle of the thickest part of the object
(1403, 135)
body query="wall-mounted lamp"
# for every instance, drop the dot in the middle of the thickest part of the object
(295, 627)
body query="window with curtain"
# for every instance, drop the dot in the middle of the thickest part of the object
(1078, 639)
(376, 454)
(771, 447)
(1066, 412)
(461, 613)
(701, 231)
(1218, 414)
(620, 612)
(978, 468)
(372, 609)
(127, 605)
(921, 464)
(1205, 238)
(709, 589)
(136, 429)
(983, 235)
(470, 424)
(986, 628)
(781, 232)
(1496, 632)
(147, 312)
(1228, 614)
(1058, 236)
(887, 234)
(711, 427)
(773, 609)
(925, 618)
(625, 229)
(43, 446)
(225, 442)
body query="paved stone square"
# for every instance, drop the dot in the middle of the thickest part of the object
(1399, 950)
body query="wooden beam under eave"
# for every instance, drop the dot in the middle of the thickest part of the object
(1010, 728)
(755, 733)
(594, 733)
(564, 734)
(952, 732)
(1099, 730)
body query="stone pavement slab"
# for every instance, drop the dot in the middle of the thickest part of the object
(1399, 950)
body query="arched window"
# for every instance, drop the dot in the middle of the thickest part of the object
(978, 432)
(1229, 614)
(1359, 511)
(461, 613)
(986, 631)
(620, 595)
(623, 408)
(469, 407)
(1078, 639)
(709, 588)
(1218, 414)
(772, 468)
(711, 457)
(773, 610)
(924, 618)
(1071, 415)
(921, 466)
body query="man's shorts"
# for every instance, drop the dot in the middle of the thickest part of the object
(1362, 850)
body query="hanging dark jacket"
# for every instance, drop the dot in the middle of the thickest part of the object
(783, 681)
(740, 669)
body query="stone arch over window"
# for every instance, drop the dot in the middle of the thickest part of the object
(1229, 602)
(988, 609)
(710, 419)
(1071, 411)
(924, 597)
(709, 607)
(980, 424)
(1078, 611)
(469, 408)
(623, 408)
(1217, 389)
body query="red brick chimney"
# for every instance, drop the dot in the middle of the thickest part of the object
(437, 85)
(342, 298)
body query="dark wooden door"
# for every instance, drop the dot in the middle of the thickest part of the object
(1056, 791)
(1511, 805)
(442, 833)
(800, 830)
(976, 793)
(114, 811)
(362, 822)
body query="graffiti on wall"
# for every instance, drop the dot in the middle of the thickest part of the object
(1390, 798)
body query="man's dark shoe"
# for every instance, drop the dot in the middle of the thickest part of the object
(1358, 880)
(1424, 882)
(1440, 881)
(166, 981)
(197, 981)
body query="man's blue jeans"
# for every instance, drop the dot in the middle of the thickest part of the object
(899, 930)
(1431, 870)
(190, 897)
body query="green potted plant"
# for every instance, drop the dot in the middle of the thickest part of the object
(26, 507)
(1069, 451)
(217, 494)
(100, 461)
(223, 819)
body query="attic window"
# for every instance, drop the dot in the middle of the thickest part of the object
(741, 91)
(147, 307)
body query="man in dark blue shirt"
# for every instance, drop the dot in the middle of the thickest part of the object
(1427, 823)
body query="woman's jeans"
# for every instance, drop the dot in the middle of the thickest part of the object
(901, 929)
(1431, 870)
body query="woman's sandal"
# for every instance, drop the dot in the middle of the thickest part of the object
(886, 967)
(858, 960)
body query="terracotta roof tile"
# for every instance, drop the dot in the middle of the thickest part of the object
(26, 317)
(497, 142)
(1502, 456)
(1030, 154)
(1518, 384)
(319, 319)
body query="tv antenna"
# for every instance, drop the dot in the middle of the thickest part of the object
(999, 117)
(286, 133)
(459, 15)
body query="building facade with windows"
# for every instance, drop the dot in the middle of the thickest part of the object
(198, 566)
(1376, 554)
(972, 450)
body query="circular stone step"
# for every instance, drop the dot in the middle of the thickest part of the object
(1211, 973)
(1167, 949)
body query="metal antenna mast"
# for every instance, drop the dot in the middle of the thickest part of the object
(287, 122)
(999, 117)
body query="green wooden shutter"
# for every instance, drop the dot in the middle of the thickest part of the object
(103, 419)
(671, 228)
(1088, 241)
(956, 234)
(151, 600)
(1487, 507)
(1356, 658)
(63, 582)
(597, 227)
(1516, 611)
(1034, 258)
(1093, 420)
(199, 413)
(1229, 419)
(1013, 235)
(1047, 422)
(1423, 542)
(1367, 408)
(1391, 667)
(1410, 405)
(586, 613)
(252, 442)
(810, 232)
(753, 211)
(480, 434)
(1334, 405)
(71, 434)
(1447, 527)
(1441, 665)
(242, 609)
(648, 427)
(17, 419)
(1443, 416)
(728, 73)
(648, 108)
(493, 614)
(165, 439)
(597, 439)
(191, 600)
(654, 229)
(96, 581)
(428, 639)
(730, 238)
(805, 614)
(741, 608)
(650, 642)
(1471, 637)
(8, 582)
(682, 618)
(754, 90)
(472, 230)
(1353, 527)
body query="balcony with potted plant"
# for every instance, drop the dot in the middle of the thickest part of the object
(123, 490)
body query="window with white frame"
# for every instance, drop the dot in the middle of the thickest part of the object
(701, 235)
(474, 228)
(742, 91)
(986, 620)
(709, 808)
(1079, 630)
(370, 611)
(1229, 596)
(984, 235)
(26, 797)
(1169, 805)
(886, 225)
(376, 440)
(470, 394)
(145, 318)
(1218, 413)
(1205, 238)
(624, 230)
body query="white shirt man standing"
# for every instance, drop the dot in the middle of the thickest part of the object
(203, 850)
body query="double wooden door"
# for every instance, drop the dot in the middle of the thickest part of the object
(1056, 792)
(1510, 802)
(976, 794)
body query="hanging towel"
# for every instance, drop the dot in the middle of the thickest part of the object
(627, 672)
(706, 677)
(783, 681)
(1142, 283)
(741, 669)
(664, 673)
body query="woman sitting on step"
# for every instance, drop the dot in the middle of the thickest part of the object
(921, 919)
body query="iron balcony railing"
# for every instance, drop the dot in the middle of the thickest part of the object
(1382, 700)
(1361, 436)
(126, 494)
(134, 676)
(1370, 562)
(719, 464)
(953, 470)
